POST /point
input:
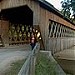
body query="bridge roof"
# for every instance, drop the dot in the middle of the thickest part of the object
(52, 9)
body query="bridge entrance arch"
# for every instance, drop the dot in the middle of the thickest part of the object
(16, 25)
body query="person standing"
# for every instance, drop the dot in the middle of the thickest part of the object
(33, 41)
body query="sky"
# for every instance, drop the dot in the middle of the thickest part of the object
(56, 3)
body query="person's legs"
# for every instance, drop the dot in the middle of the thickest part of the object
(33, 45)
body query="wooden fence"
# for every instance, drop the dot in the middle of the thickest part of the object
(29, 66)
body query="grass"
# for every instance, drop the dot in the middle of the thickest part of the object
(15, 67)
(44, 66)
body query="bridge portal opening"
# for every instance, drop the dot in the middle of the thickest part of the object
(20, 24)
(19, 15)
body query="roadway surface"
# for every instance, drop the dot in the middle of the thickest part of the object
(66, 59)
(9, 55)
(68, 54)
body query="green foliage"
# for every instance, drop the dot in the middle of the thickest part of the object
(44, 66)
(73, 5)
(66, 5)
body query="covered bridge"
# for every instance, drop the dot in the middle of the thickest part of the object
(19, 19)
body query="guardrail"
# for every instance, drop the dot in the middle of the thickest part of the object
(29, 66)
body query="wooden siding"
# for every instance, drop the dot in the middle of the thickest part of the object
(34, 6)
(41, 16)
(4, 31)
(45, 15)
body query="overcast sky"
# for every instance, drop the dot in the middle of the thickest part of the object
(55, 3)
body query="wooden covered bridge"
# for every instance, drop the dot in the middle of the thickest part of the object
(19, 19)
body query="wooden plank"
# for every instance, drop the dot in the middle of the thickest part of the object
(36, 8)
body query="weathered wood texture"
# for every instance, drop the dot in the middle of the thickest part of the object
(45, 15)
(41, 16)
(34, 6)
(4, 31)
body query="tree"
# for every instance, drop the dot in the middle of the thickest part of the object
(66, 5)
(73, 6)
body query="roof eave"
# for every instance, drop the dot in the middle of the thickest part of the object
(52, 9)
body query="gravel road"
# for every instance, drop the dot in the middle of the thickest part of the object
(7, 57)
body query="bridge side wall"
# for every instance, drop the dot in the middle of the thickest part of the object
(55, 43)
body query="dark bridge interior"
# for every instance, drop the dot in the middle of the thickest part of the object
(20, 15)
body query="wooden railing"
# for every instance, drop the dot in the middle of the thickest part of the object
(29, 66)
